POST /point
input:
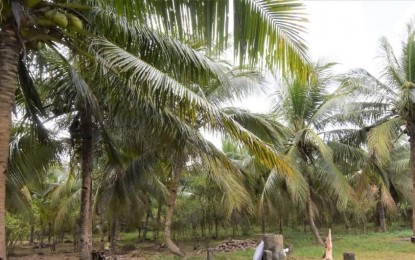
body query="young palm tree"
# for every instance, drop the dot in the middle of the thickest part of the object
(304, 109)
(384, 108)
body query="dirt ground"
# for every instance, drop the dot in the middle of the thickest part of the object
(66, 251)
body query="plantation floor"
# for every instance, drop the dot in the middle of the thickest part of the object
(394, 245)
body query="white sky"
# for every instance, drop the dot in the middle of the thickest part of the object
(347, 32)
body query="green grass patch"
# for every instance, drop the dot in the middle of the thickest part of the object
(369, 246)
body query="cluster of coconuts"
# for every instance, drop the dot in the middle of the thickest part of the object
(51, 17)
(60, 19)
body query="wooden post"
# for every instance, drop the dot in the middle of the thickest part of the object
(348, 256)
(328, 248)
(273, 244)
(267, 255)
(210, 253)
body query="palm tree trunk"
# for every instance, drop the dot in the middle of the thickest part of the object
(216, 221)
(101, 228)
(32, 234)
(145, 231)
(113, 235)
(310, 219)
(9, 58)
(85, 245)
(380, 208)
(171, 200)
(381, 215)
(158, 220)
(411, 133)
(263, 219)
(346, 221)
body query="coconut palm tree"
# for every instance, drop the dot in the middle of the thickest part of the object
(384, 107)
(303, 109)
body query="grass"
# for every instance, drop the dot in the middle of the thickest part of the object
(390, 245)
(369, 246)
(366, 246)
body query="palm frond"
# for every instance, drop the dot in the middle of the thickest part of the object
(334, 182)
(261, 125)
(382, 137)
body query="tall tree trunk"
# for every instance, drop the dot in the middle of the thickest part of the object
(411, 133)
(32, 234)
(203, 220)
(158, 221)
(263, 219)
(171, 200)
(216, 221)
(381, 216)
(310, 219)
(145, 229)
(85, 245)
(346, 221)
(9, 58)
(101, 228)
(113, 235)
(49, 232)
(380, 208)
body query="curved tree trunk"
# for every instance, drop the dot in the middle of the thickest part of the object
(85, 245)
(310, 219)
(171, 201)
(9, 58)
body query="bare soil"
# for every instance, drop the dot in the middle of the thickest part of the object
(66, 251)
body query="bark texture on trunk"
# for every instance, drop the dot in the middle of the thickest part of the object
(310, 220)
(113, 235)
(9, 58)
(411, 133)
(101, 228)
(171, 201)
(158, 220)
(85, 245)
(381, 216)
(148, 215)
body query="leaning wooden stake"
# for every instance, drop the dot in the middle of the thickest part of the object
(328, 248)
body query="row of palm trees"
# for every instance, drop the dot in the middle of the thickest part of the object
(117, 71)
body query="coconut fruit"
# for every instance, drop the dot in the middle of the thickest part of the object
(60, 19)
(44, 22)
(49, 14)
(40, 45)
(74, 22)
